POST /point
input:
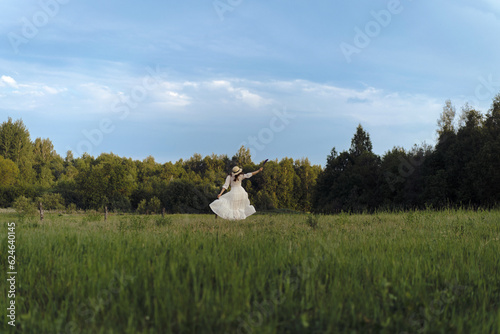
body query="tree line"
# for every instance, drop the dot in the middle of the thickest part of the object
(462, 169)
(32, 172)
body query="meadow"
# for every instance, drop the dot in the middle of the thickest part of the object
(408, 272)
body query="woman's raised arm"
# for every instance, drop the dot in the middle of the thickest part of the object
(258, 171)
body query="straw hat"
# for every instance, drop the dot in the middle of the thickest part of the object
(237, 170)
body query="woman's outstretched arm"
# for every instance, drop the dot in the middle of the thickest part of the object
(258, 171)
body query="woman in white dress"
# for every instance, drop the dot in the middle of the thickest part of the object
(235, 204)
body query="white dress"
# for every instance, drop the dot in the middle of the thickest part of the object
(233, 205)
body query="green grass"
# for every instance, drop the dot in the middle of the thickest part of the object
(415, 272)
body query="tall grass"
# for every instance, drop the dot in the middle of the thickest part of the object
(414, 272)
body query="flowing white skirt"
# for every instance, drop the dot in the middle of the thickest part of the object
(233, 205)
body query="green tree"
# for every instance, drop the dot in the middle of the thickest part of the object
(51, 201)
(242, 157)
(442, 177)
(470, 142)
(15, 144)
(24, 206)
(360, 142)
(270, 185)
(286, 178)
(264, 201)
(492, 122)
(217, 163)
(470, 118)
(182, 196)
(332, 188)
(109, 180)
(446, 119)
(196, 164)
(395, 170)
(9, 173)
(305, 183)
(48, 165)
(402, 175)
(350, 180)
(147, 168)
(142, 207)
(154, 205)
(43, 150)
(489, 156)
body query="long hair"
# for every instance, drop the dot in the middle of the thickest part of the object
(237, 175)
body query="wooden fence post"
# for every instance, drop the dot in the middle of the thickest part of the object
(106, 213)
(163, 212)
(40, 207)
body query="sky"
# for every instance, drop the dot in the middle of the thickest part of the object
(291, 78)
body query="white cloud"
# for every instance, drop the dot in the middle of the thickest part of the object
(30, 89)
(28, 96)
(221, 83)
(216, 98)
(240, 93)
(53, 91)
(369, 105)
(251, 99)
(93, 97)
(98, 91)
(9, 81)
(169, 99)
(191, 84)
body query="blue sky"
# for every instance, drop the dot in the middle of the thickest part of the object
(287, 78)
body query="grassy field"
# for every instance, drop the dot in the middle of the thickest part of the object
(414, 272)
